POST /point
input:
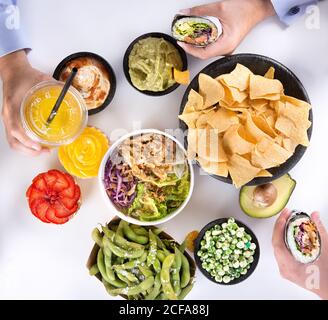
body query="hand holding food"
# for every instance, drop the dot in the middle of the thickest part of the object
(18, 77)
(306, 239)
(237, 17)
(139, 264)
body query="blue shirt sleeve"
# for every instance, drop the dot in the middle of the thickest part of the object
(11, 33)
(289, 10)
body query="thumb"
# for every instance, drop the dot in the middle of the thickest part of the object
(204, 10)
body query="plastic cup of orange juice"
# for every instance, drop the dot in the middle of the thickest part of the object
(69, 121)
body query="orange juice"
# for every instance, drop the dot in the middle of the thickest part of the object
(69, 121)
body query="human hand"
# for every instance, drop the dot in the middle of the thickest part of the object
(18, 77)
(304, 275)
(237, 17)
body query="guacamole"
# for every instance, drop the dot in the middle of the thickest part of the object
(151, 62)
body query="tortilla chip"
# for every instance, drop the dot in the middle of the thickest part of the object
(264, 173)
(289, 144)
(234, 96)
(210, 146)
(253, 129)
(195, 101)
(241, 170)
(211, 90)
(267, 154)
(222, 119)
(234, 143)
(190, 118)
(238, 78)
(182, 77)
(296, 102)
(270, 73)
(202, 120)
(259, 105)
(263, 88)
(219, 169)
(262, 123)
(297, 133)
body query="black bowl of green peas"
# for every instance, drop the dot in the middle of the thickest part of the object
(226, 251)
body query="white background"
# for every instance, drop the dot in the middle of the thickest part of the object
(40, 261)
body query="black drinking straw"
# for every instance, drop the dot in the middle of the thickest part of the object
(62, 95)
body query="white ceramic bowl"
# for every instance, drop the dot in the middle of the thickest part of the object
(108, 201)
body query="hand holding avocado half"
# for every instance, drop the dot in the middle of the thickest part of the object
(312, 276)
(237, 17)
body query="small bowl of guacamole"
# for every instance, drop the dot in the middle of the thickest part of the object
(149, 62)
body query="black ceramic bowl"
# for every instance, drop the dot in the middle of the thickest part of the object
(256, 256)
(259, 65)
(154, 35)
(112, 78)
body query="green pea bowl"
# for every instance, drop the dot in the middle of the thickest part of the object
(226, 268)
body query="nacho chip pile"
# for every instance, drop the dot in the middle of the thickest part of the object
(241, 124)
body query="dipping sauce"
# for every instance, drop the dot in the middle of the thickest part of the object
(68, 123)
(92, 80)
(151, 62)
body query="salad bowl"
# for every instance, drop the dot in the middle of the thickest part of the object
(115, 209)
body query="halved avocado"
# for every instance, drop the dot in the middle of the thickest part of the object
(268, 199)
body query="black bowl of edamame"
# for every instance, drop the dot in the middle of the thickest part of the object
(226, 251)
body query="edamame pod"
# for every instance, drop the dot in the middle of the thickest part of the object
(165, 277)
(162, 246)
(119, 230)
(155, 289)
(120, 252)
(176, 272)
(108, 288)
(94, 270)
(110, 234)
(134, 290)
(133, 263)
(185, 270)
(124, 279)
(161, 255)
(152, 249)
(157, 266)
(161, 296)
(108, 264)
(185, 291)
(145, 270)
(97, 237)
(101, 265)
(128, 275)
(139, 230)
(131, 235)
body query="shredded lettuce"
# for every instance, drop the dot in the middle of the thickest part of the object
(147, 207)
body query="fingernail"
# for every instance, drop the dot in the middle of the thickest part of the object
(36, 147)
(185, 11)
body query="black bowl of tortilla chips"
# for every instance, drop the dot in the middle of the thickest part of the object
(260, 92)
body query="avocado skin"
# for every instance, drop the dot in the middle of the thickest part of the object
(285, 186)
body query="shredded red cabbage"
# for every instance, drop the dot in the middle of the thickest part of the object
(119, 183)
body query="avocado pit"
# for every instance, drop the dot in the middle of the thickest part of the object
(264, 195)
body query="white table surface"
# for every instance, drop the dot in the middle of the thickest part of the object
(40, 261)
